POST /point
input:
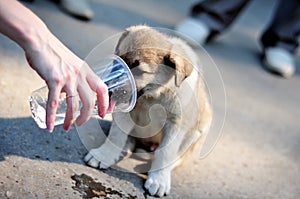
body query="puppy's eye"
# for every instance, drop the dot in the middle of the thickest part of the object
(134, 64)
(168, 61)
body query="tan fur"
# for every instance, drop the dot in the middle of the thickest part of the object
(149, 47)
(145, 50)
(172, 109)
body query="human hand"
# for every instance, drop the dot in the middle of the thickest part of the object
(64, 72)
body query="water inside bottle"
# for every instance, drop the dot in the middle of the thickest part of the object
(38, 111)
(38, 105)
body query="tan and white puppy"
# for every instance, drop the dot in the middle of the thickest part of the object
(172, 108)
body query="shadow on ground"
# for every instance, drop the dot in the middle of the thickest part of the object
(21, 137)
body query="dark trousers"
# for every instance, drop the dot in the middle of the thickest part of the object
(281, 32)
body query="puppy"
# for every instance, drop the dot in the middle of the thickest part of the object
(172, 111)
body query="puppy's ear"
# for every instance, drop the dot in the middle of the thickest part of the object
(183, 68)
(118, 46)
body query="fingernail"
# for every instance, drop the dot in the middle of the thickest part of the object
(102, 114)
(110, 109)
(66, 128)
(51, 127)
(78, 123)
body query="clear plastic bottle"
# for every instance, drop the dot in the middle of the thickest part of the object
(113, 71)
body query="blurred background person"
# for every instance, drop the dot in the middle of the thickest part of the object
(279, 41)
(80, 9)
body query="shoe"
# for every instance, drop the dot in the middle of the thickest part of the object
(280, 61)
(78, 8)
(194, 29)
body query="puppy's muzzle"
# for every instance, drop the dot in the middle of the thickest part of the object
(147, 89)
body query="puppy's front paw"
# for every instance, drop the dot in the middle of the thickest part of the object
(95, 160)
(102, 158)
(158, 182)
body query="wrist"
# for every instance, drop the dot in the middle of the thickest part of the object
(33, 37)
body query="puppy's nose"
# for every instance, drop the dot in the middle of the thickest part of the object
(141, 92)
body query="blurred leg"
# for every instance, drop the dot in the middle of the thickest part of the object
(285, 26)
(217, 14)
(280, 41)
(209, 18)
(78, 8)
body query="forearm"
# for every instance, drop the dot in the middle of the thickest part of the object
(61, 69)
(22, 26)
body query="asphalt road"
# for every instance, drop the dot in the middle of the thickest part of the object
(257, 150)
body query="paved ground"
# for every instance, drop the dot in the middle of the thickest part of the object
(257, 155)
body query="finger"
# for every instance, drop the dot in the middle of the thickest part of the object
(102, 98)
(71, 111)
(87, 97)
(111, 106)
(52, 104)
(101, 90)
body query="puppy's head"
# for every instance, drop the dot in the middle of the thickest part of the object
(158, 65)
